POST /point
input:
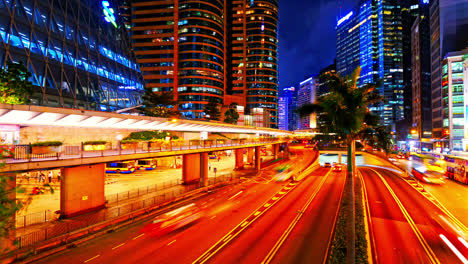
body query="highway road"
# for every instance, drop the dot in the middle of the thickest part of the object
(405, 226)
(257, 220)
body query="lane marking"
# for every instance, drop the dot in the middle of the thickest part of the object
(428, 195)
(138, 236)
(118, 246)
(463, 241)
(243, 224)
(238, 229)
(170, 243)
(422, 241)
(97, 256)
(213, 217)
(279, 243)
(371, 249)
(235, 195)
(227, 238)
(454, 249)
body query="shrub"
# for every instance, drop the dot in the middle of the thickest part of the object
(128, 141)
(95, 142)
(148, 135)
(47, 144)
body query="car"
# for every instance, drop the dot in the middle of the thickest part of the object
(327, 165)
(173, 220)
(337, 168)
(399, 156)
(308, 145)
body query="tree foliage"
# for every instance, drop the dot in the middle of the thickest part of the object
(231, 116)
(15, 87)
(159, 104)
(212, 109)
(9, 204)
(344, 110)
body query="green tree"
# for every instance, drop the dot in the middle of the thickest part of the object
(231, 116)
(15, 87)
(159, 104)
(344, 111)
(212, 109)
(9, 204)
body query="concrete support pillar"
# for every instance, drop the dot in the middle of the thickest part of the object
(250, 156)
(82, 189)
(191, 168)
(258, 161)
(239, 154)
(339, 158)
(275, 148)
(204, 169)
(7, 242)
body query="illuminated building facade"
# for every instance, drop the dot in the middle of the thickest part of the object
(454, 100)
(307, 94)
(449, 24)
(371, 37)
(209, 48)
(290, 94)
(78, 52)
(421, 76)
(283, 113)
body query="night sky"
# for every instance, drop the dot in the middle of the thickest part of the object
(307, 37)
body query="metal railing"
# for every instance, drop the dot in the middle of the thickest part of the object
(66, 227)
(28, 153)
(34, 218)
(135, 193)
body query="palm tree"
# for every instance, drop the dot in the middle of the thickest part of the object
(344, 112)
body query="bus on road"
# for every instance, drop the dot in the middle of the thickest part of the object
(457, 168)
(120, 167)
(146, 164)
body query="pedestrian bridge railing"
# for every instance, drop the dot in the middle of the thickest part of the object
(31, 153)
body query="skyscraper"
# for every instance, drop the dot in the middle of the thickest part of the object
(283, 113)
(371, 37)
(323, 86)
(449, 24)
(209, 48)
(307, 94)
(421, 74)
(290, 93)
(78, 53)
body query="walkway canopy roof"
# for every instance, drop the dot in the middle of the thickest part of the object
(31, 115)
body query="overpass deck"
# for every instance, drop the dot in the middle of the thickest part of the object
(21, 158)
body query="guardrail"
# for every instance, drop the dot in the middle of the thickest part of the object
(28, 153)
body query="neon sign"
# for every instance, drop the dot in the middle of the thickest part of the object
(343, 19)
(108, 13)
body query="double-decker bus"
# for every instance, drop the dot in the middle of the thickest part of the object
(457, 168)
(426, 168)
(120, 167)
(146, 164)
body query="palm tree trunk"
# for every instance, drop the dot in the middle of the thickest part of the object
(350, 227)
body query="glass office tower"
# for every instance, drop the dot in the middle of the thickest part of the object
(77, 56)
(209, 49)
(371, 37)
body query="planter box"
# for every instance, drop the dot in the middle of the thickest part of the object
(129, 145)
(94, 147)
(156, 144)
(45, 149)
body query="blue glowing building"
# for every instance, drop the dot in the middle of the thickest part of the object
(371, 37)
(78, 52)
